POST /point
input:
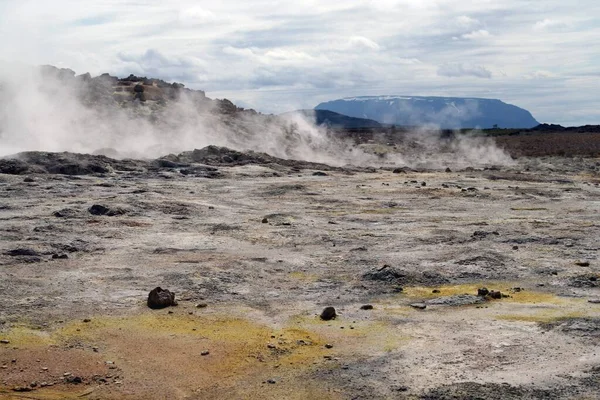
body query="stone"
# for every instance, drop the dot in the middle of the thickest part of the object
(366, 307)
(98, 209)
(583, 263)
(201, 305)
(419, 306)
(59, 256)
(22, 389)
(456, 300)
(494, 294)
(22, 252)
(328, 346)
(74, 379)
(482, 292)
(320, 173)
(265, 221)
(161, 298)
(205, 353)
(328, 314)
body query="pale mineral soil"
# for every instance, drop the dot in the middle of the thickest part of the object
(533, 226)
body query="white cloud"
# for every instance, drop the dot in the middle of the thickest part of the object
(361, 42)
(540, 74)
(476, 35)
(467, 22)
(550, 25)
(276, 55)
(196, 15)
(457, 70)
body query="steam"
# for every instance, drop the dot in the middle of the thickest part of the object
(51, 112)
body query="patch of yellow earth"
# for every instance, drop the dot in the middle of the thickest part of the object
(25, 336)
(526, 305)
(160, 355)
(524, 296)
(355, 338)
(303, 276)
(546, 315)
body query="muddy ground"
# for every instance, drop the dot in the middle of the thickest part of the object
(254, 252)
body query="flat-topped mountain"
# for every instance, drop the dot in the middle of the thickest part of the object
(447, 112)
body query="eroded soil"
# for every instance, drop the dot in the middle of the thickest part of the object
(255, 253)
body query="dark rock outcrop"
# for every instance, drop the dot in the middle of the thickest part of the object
(161, 298)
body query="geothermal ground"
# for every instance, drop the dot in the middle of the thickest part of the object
(255, 252)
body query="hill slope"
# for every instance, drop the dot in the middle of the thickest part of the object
(334, 119)
(447, 112)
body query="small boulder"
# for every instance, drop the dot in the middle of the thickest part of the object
(482, 292)
(582, 263)
(328, 314)
(419, 306)
(22, 252)
(366, 307)
(98, 209)
(161, 298)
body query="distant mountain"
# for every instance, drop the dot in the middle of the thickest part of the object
(447, 112)
(334, 119)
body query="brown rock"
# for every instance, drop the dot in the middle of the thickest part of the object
(161, 298)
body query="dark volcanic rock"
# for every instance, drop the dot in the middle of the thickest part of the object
(98, 209)
(485, 391)
(13, 167)
(580, 327)
(328, 314)
(584, 281)
(401, 277)
(215, 155)
(65, 213)
(458, 300)
(161, 298)
(22, 252)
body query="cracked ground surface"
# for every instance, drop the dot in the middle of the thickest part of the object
(263, 250)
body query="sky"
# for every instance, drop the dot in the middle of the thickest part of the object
(276, 56)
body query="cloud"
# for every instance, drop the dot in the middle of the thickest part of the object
(540, 74)
(361, 42)
(476, 35)
(550, 25)
(456, 70)
(283, 54)
(466, 22)
(153, 63)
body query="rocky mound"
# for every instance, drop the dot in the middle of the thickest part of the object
(39, 162)
(223, 156)
(195, 163)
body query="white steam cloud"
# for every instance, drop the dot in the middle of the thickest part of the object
(45, 112)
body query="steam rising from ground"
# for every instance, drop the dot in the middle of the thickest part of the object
(42, 112)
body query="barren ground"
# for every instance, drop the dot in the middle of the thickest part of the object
(78, 327)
